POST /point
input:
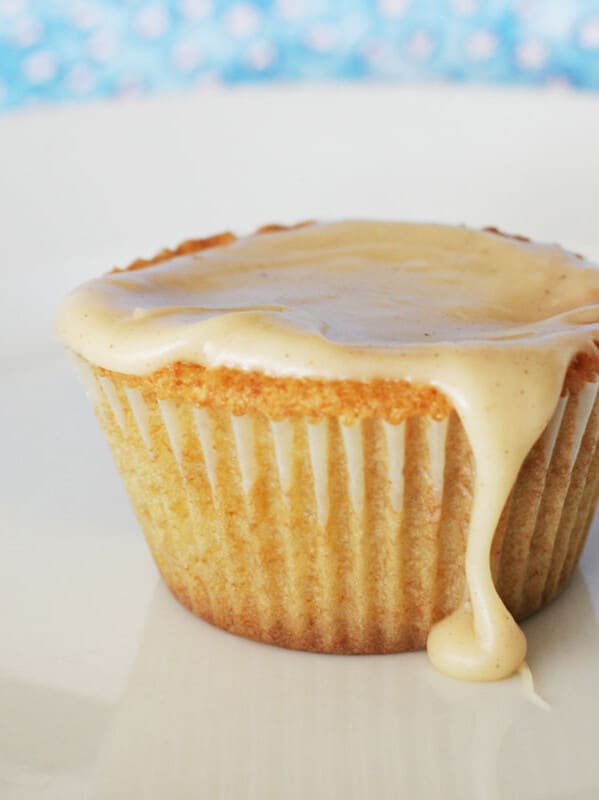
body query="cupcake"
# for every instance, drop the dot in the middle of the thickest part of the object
(354, 437)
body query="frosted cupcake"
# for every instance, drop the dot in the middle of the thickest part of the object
(354, 437)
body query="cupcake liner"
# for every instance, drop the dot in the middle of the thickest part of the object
(317, 535)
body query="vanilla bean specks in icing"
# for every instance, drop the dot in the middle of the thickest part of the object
(490, 320)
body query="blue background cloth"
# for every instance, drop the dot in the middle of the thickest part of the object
(57, 50)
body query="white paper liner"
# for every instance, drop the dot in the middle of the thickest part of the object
(324, 536)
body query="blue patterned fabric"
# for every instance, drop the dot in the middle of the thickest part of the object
(56, 50)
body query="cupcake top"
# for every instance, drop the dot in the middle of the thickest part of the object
(491, 321)
(341, 300)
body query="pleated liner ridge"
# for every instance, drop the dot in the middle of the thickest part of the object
(321, 536)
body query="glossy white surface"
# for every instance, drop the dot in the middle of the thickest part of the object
(108, 688)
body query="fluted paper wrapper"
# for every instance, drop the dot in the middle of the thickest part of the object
(339, 538)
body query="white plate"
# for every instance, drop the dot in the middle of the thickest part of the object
(108, 688)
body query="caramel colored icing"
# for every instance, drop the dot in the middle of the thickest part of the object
(492, 321)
